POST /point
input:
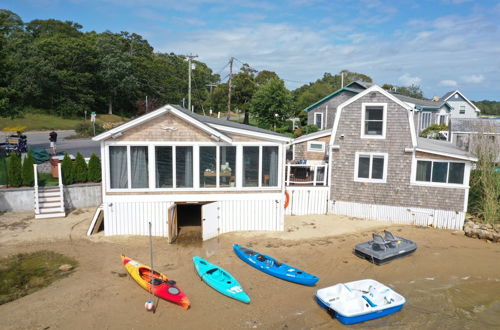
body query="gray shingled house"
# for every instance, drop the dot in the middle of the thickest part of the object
(378, 167)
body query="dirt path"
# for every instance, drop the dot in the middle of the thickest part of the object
(98, 296)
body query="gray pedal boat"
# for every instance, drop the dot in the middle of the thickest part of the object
(382, 250)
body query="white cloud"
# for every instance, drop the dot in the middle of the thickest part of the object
(448, 83)
(408, 80)
(473, 78)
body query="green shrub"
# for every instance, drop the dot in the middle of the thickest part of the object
(433, 129)
(67, 170)
(80, 169)
(14, 171)
(94, 170)
(28, 175)
(85, 128)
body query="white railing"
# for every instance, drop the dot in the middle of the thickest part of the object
(61, 192)
(304, 174)
(37, 203)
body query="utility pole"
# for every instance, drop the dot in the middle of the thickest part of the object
(229, 88)
(146, 104)
(190, 58)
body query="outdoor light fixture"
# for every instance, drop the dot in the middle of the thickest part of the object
(117, 135)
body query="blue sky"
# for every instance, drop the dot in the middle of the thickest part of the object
(440, 45)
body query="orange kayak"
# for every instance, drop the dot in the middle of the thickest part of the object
(163, 287)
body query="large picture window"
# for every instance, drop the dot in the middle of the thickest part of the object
(250, 166)
(374, 118)
(440, 172)
(118, 175)
(269, 166)
(227, 156)
(425, 120)
(184, 167)
(370, 167)
(139, 167)
(208, 167)
(164, 168)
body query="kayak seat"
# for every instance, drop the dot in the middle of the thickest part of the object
(378, 242)
(261, 258)
(388, 236)
(156, 281)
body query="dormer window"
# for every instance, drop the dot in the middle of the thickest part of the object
(373, 119)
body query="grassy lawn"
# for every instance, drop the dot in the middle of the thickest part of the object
(36, 120)
(25, 273)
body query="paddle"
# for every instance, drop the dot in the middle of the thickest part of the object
(152, 269)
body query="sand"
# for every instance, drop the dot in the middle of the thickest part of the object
(446, 266)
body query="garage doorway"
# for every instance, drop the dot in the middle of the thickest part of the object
(189, 223)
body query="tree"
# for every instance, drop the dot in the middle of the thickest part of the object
(28, 174)
(244, 89)
(264, 76)
(411, 91)
(94, 169)
(14, 171)
(67, 170)
(80, 169)
(272, 104)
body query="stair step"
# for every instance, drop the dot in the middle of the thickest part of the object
(50, 209)
(50, 215)
(49, 199)
(49, 194)
(49, 204)
(48, 189)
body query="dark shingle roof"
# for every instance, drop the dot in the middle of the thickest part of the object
(445, 96)
(489, 125)
(420, 102)
(223, 122)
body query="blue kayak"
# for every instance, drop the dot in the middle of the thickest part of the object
(272, 267)
(220, 280)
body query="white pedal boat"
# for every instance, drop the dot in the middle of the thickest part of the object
(360, 301)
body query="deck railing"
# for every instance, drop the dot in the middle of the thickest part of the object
(304, 174)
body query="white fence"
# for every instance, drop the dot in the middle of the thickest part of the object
(404, 215)
(307, 200)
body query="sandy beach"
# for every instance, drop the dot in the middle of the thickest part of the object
(451, 281)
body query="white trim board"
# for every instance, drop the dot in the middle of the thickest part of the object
(463, 96)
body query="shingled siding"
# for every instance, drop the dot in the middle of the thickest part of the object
(167, 127)
(397, 191)
(332, 104)
(302, 153)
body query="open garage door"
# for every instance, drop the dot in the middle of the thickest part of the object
(210, 220)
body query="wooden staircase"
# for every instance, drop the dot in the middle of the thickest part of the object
(49, 201)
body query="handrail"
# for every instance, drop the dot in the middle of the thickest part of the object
(61, 191)
(314, 180)
(37, 203)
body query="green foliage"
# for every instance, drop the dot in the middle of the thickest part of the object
(94, 169)
(488, 108)
(14, 171)
(80, 171)
(86, 129)
(25, 273)
(484, 195)
(411, 91)
(28, 175)
(67, 170)
(433, 129)
(272, 104)
(305, 130)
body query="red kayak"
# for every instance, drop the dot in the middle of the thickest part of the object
(163, 287)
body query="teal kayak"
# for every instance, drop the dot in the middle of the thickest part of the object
(220, 280)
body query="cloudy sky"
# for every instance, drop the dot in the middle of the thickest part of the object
(440, 45)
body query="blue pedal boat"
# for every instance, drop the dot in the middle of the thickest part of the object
(272, 267)
(220, 280)
(359, 301)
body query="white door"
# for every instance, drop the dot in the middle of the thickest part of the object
(172, 223)
(210, 220)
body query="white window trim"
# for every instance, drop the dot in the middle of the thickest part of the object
(371, 154)
(426, 120)
(315, 142)
(414, 182)
(196, 184)
(384, 120)
(460, 110)
(322, 124)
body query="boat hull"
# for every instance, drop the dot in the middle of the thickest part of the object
(271, 267)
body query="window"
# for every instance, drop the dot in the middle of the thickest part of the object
(316, 146)
(184, 167)
(318, 120)
(443, 120)
(269, 166)
(250, 166)
(164, 168)
(208, 167)
(440, 172)
(462, 109)
(373, 118)
(118, 175)
(425, 120)
(139, 167)
(370, 167)
(227, 167)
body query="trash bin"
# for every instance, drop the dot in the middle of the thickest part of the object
(53, 165)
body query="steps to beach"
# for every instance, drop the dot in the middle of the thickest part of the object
(49, 201)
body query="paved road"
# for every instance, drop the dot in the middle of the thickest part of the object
(41, 139)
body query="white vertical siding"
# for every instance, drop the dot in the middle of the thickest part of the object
(307, 200)
(250, 215)
(405, 215)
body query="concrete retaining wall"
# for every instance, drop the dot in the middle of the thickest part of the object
(75, 196)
